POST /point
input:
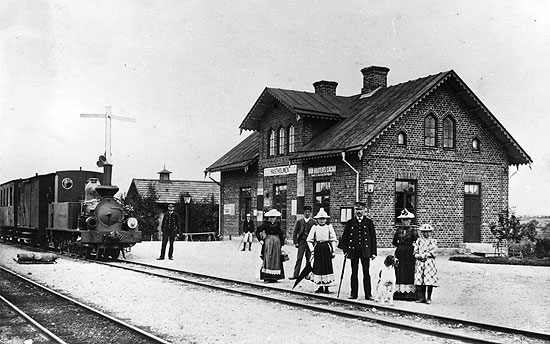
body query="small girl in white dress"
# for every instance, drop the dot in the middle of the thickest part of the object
(322, 241)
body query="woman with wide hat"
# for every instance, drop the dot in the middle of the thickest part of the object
(322, 242)
(272, 238)
(404, 238)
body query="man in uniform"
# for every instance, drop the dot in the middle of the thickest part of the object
(359, 244)
(301, 231)
(170, 228)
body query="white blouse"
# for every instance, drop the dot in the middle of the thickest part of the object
(320, 233)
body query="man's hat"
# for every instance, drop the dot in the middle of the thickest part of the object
(307, 207)
(170, 204)
(426, 228)
(248, 214)
(360, 205)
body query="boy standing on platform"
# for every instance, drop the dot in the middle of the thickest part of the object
(248, 230)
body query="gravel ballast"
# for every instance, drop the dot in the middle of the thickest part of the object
(185, 313)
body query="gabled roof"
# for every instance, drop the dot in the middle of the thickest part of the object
(361, 119)
(299, 103)
(242, 155)
(170, 191)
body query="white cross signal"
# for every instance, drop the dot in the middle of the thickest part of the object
(107, 115)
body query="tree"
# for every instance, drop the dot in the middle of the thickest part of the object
(146, 211)
(203, 215)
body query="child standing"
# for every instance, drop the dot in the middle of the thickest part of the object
(425, 273)
(321, 241)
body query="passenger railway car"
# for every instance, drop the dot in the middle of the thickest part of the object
(68, 210)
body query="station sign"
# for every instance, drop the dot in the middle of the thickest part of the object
(279, 170)
(321, 171)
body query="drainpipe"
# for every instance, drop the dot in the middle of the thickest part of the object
(356, 176)
(219, 205)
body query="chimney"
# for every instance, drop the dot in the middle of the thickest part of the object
(373, 78)
(325, 87)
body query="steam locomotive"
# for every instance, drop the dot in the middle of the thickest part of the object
(70, 211)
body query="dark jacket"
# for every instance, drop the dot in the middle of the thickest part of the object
(267, 228)
(248, 226)
(301, 230)
(358, 239)
(170, 223)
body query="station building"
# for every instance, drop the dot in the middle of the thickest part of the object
(429, 145)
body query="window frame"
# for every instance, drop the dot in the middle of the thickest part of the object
(478, 148)
(402, 135)
(446, 132)
(429, 130)
(414, 201)
(281, 141)
(323, 194)
(271, 140)
(291, 142)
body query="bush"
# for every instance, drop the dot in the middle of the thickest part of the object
(542, 247)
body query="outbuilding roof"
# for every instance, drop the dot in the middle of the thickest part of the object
(170, 191)
(361, 119)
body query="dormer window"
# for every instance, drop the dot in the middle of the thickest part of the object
(449, 132)
(271, 143)
(475, 145)
(430, 125)
(401, 139)
(281, 141)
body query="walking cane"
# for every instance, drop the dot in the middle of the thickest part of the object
(342, 275)
(240, 243)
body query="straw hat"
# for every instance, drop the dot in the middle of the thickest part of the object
(426, 228)
(272, 213)
(321, 214)
(405, 214)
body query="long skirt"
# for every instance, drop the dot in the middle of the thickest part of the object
(272, 267)
(404, 273)
(323, 273)
(425, 273)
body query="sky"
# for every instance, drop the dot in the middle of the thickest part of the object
(188, 72)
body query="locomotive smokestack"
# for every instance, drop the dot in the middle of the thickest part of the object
(107, 174)
(107, 189)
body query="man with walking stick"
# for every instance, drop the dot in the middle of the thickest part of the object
(359, 245)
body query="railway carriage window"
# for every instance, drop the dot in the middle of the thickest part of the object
(449, 132)
(430, 125)
(271, 143)
(321, 196)
(281, 141)
(405, 196)
(291, 147)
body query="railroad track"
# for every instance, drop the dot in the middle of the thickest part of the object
(437, 326)
(60, 319)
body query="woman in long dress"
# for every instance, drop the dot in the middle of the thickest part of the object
(271, 237)
(404, 239)
(321, 242)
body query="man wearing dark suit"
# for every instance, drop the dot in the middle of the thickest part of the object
(170, 228)
(359, 244)
(301, 231)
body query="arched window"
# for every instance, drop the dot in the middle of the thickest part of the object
(271, 147)
(291, 147)
(430, 125)
(449, 132)
(281, 140)
(402, 139)
(476, 145)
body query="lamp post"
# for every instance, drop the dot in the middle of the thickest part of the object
(187, 200)
(368, 186)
